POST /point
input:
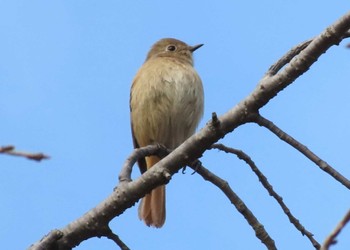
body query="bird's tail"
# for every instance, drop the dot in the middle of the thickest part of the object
(152, 206)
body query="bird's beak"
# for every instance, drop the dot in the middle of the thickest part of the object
(195, 47)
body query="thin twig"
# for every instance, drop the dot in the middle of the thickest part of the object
(261, 121)
(262, 178)
(285, 59)
(331, 239)
(259, 229)
(158, 149)
(5, 149)
(112, 236)
(10, 150)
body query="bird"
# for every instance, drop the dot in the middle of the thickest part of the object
(166, 105)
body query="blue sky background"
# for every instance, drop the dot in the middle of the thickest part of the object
(65, 73)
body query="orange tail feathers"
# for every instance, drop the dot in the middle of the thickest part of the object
(152, 206)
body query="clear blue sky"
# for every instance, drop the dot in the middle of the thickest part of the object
(65, 73)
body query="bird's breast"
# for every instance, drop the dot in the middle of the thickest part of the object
(167, 98)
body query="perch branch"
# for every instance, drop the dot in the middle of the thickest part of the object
(95, 222)
(125, 173)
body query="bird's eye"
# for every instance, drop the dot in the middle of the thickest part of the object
(171, 48)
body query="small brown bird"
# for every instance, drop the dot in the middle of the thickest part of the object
(166, 104)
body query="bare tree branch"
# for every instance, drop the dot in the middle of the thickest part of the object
(95, 222)
(259, 229)
(48, 241)
(301, 148)
(5, 149)
(125, 173)
(331, 239)
(243, 156)
(112, 236)
(287, 58)
(10, 150)
(291, 54)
